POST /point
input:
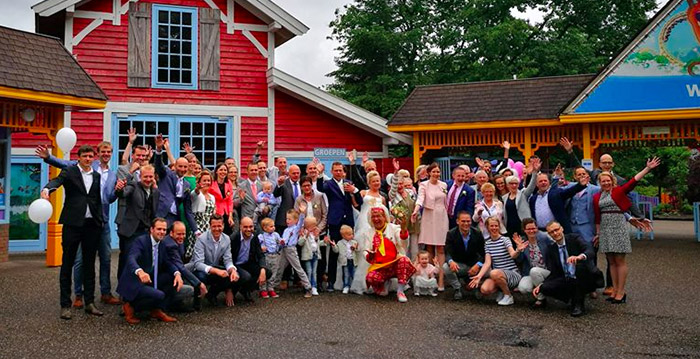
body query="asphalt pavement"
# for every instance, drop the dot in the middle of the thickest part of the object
(659, 320)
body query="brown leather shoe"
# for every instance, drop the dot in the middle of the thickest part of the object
(129, 314)
(160, 315)
(110, 299)
(608, 291)
(283, 285)
(78, 302)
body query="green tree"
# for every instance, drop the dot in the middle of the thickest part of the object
(387, 47)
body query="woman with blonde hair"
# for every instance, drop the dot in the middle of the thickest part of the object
(371, 198)
(488, 207)
(609, 206)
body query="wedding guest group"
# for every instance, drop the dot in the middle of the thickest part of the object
(188, 233)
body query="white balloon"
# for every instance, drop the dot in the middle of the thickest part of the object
(40, 211)
(66, 139)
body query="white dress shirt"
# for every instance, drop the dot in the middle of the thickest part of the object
(87, 180)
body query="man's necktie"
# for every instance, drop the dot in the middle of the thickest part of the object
(155, 266)
(450, 201)
(569, 269)
(296, 190)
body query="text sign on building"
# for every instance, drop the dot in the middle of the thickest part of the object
(656, 130)
(329, 153)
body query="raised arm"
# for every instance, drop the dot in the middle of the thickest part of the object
(166, 145)
(256, 154)
(651, 164)
(127, 150)
(43, 153)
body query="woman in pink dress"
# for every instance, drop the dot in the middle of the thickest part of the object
(432, 199)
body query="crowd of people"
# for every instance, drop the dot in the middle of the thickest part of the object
(187, 233)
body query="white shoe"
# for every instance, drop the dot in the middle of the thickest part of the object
(507, 300)
(433, 293)
(314, 291)
(402, 297)
(385, 292)
(499, 297)
(346, 290)
(416, 292)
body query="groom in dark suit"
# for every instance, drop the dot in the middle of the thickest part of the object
(151, 277)
(340, 193)
(82, 219)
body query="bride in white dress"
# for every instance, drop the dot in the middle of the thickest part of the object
(370, 198)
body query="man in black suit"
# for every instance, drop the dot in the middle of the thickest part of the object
(150, 278)
(175, 245)
(249, 259)
(573, 273)
(140, 200)
(464, 253)
(82, 220)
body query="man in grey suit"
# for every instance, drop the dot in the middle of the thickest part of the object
(251, 190)
(213, 263)
(140, 201)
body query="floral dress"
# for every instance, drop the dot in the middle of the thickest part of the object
(202, 220)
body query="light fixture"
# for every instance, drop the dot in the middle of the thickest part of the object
(28, 114)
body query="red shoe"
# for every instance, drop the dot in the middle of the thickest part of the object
(78, 301)
(263, 294)
(160, 315)
(274, 294)
(129, 314)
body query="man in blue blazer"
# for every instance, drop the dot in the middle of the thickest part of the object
(151, 277)
(549, 202)
(193, 288)
(174, 190)
(339, 192)
(460, 196)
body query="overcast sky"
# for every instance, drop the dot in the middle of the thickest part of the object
(309, 57)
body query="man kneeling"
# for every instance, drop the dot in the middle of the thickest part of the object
(573, 273)
(385, 252)
(150, 278)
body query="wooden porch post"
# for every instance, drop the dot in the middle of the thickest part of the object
(586, 135)
(416, 150)
(54, 251)
(527, 150)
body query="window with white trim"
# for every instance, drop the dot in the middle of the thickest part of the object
(174, 47)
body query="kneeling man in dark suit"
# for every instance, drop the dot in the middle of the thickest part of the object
(150, 277)
(249, 259)
(573, 273)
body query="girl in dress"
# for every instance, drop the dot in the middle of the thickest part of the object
(432, 198)
(424, 281)
(609, 206)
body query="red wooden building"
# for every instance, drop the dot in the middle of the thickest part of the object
(203, 72)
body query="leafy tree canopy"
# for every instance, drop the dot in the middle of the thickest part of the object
(390, 46)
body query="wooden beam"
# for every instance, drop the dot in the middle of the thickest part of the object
(229, 16)
(87, 30)
(255, 43)
(475, 125)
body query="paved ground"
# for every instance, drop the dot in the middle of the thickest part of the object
(660, 320)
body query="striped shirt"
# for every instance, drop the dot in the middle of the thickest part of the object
(498, 249)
